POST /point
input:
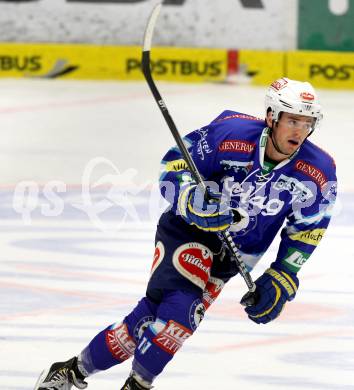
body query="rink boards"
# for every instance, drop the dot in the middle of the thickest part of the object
(94, 62)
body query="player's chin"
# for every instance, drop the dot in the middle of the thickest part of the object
(291, 147)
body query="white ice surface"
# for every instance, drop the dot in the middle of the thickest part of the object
(65, 275)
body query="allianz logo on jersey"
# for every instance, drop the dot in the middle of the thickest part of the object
(298, 190)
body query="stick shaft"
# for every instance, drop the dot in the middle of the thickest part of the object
(163, 108)
(225, 235)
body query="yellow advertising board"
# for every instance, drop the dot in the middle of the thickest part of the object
(262, 67)
(76, 61)
(93, 62)
(322, 69)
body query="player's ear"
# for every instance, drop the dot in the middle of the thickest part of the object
(269, 118)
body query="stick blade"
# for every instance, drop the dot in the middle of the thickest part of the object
(150, 27)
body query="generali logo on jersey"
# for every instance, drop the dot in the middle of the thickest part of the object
(234, 145)
(316, 174)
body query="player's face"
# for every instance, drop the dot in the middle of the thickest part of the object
(291, 131)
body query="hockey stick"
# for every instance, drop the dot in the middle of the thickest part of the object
(250, 297)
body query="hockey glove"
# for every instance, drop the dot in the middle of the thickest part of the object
(274, 288)
(207, 213)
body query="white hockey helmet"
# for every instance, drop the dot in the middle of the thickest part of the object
(294, 97)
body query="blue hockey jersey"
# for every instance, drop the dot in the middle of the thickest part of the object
(300, 191)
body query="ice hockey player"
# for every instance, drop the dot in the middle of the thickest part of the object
(260, 174)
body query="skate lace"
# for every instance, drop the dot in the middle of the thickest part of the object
(59, 381)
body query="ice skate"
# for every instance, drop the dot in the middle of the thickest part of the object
(132, 384)
(61, 376)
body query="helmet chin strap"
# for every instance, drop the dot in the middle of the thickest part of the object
(274, 142)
